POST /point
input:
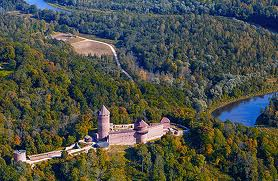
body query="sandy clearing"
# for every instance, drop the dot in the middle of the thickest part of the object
(85, 46)
(88, 47)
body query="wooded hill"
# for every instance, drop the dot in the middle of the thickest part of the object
(260, 12)
(209, 57)
(269, 117)
(50, 96)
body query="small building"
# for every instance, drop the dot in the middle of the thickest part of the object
(88, 139)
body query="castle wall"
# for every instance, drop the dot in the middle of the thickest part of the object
(155, 131)
(122, 138)
(141, 138)
(131, 137)
(48, 155)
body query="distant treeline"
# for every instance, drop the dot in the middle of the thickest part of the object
(264, 13)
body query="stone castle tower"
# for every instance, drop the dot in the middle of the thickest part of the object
(142, 130)
(103, 123)
(20, 155)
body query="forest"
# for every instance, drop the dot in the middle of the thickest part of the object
(182, 64)
(210, 57)
(269, 116)
(260, 12)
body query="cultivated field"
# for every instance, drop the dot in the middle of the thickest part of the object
(85, 46)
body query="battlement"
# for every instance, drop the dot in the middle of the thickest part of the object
(119, 127)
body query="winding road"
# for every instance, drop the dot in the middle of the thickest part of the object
(115, 56)
(66, 37)
(41, 4)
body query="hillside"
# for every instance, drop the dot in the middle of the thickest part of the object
(208, 57)
(181, 65)
(263, 13)
(270, 115)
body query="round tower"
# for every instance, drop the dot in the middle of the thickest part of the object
(20, 155)
(142, 129)
(103, 123)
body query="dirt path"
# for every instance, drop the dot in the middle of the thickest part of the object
(87, 46)
(115, 56)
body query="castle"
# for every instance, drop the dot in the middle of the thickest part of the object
(109, 134)
(129, 134)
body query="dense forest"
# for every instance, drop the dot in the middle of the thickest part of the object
(210, 57)
(269, 117)
(260, 12)
(182, 64)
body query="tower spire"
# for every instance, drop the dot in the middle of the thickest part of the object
(104, 111)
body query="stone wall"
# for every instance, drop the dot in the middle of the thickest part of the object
(131, 137)
(155, 131)
(166, 126)
(122, 138)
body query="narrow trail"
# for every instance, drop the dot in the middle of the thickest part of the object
(114, 53)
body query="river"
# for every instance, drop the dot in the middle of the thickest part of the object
(244, 111)
(41, 4)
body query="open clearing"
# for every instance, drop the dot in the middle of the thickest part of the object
(85, 46)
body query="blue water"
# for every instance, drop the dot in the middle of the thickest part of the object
(41, 4)
(244, 111)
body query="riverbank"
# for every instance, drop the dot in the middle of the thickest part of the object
(225, 102)
(59, 7)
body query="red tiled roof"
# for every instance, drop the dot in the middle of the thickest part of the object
(165, 120)
(141, 124)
